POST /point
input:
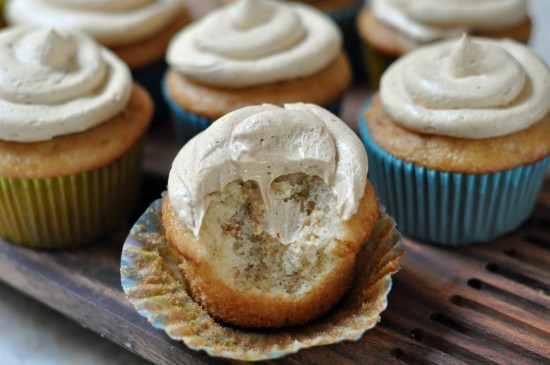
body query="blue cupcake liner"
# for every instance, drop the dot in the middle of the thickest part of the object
(346, 14)
(150, 78)
(187, 124)
(449, 208)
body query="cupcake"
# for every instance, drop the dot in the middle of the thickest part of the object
(459, 139)
(71, 128)
(269, 208)
(390, 28)
(251, 52)
(138, 31)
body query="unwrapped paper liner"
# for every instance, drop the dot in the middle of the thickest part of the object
(450, 208)
(154, 285)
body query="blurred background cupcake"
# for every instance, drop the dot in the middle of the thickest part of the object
(344, 13)
(253, 52)
(459, 139)
(138, 31)
(390, 28)
(71, 126)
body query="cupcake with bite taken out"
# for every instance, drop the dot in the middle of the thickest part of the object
(459, 139)
(269, 208)
(71, 128)
(391, 28)
(252, 52)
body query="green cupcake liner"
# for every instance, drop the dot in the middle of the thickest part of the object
(449, 208)
(72, 210)
(375, 63)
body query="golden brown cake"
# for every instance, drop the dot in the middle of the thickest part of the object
(470, 156)
(78, 152)
(151, 50)
(212, 102)
(269, 208)
(278, 299)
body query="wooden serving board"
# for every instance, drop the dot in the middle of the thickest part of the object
(481, 304)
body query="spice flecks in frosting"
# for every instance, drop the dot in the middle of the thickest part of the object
(254, 42)
(56, 82)
(262, 143)
(111, 22)
(428, 20)
(467, 88)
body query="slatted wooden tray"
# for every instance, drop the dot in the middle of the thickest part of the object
(483, 304)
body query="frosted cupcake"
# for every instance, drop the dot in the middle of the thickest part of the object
(71, 126)
(138, 31)
(391, 28)
(459, 139)
(270, 207)
(251, 52)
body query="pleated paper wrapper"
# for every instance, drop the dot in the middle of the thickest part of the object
(154, 285)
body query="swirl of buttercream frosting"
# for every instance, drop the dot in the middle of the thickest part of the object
(261, 143)
(255, 42)
(57, 82)
(468, 88)
(428, 20)
(111, 22)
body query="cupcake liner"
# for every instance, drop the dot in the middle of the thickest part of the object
(449, 208)
(187, 124)
(374, 64)
(150, 78)
(69, 210)
(154, 285)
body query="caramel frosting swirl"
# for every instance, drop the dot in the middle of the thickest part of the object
(261, 143)
(468, 88)
(254, 42)
(111, 22)
(57, 82)
(428, 20)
